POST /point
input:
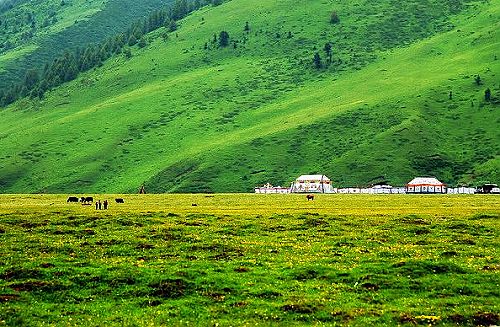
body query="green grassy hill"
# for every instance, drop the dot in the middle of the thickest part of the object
(34, 33)
(185, 115)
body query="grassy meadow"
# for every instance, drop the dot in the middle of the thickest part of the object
(246, 259)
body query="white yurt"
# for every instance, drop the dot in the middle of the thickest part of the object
(425, 185)
(269, 189)
(312, 184)
(381, 189)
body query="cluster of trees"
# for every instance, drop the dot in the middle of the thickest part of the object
(222, 40)
(487, 92)
(8, 4)
(329, 56)
(67, 67)
(317, 61)
(21, 24)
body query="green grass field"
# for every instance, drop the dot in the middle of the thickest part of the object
(246, 259)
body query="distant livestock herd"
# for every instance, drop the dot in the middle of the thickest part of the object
(89, 199)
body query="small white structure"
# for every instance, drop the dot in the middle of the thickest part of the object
(312, 184)
(381, 189)
(425, 185)
(461, 190)
(269, 189)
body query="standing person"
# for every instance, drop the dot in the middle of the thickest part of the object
(96, 205)
(105, 204)
(99, 203)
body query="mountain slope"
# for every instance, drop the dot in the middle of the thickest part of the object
(187, 115)
(34, 33)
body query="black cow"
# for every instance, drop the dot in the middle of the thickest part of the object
(119, 200)
(310, 197)
(72, 199)
(87, 199)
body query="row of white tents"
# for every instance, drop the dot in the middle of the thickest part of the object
(322, 184)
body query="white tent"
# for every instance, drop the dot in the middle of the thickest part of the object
(425, 185)
(381, 189)
(312, 184)
(269, 189)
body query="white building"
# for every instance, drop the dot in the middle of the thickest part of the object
(381, 189)
(461, 190)
(269, 189)
(425, 185)
(312, 184)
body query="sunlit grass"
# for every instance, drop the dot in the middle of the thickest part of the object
(245, 259)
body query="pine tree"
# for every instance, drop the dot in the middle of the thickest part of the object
(317, 61)
(142, 43)
(132, 40)
(172, 25)
(127, 53)
(31, 78)
(328, 51)
(223, 39)
(487, 94)
(477, 79)
(180, 9)
(334, 18)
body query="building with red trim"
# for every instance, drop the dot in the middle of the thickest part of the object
(425, 185)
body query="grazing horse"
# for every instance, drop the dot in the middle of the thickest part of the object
(72, 199)
(310, 197)
(119, 200)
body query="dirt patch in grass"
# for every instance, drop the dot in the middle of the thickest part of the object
(449, 253)
(220, 252)
(427, 267)
(152, 303)
(8, 297)
(267, 294)
(313, 220)
(477, 319)
(419, 320)
(33, 224)
(192, 223)
(307, 273)
(370, 286)
(303, 308)
(172, 234)
(421, 231)
(414, 220)
(20, 273)
(242, 269)
(36, 286)
(486, 319)
(171, 288)
(485, 216)
(144, 246)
